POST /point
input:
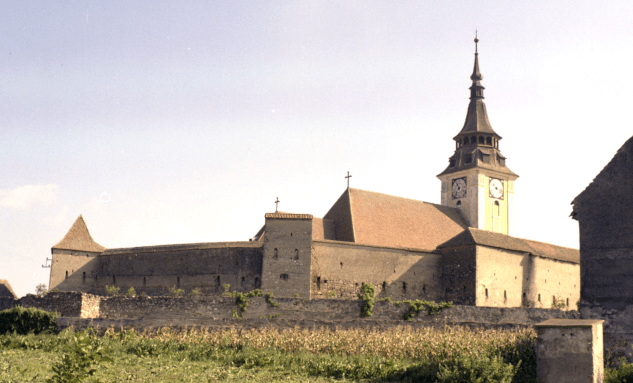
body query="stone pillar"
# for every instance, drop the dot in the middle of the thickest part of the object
(569, 350)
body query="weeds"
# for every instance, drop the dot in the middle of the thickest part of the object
(367, 296)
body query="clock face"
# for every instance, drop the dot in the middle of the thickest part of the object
(459, 188)
(496, 188)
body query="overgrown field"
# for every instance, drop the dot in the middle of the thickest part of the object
(449, 354)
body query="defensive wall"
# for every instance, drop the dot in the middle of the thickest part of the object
(82, 310)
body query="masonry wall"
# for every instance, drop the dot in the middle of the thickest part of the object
(459, 274)
(507, 278)
(153, 271)
(287, 257)
(339, 269)
(73, 270)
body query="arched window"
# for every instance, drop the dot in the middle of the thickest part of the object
(66, 274)
(473, 139)
(276, 254)
(481, 140)
(257, 282)
(465, 140)
(489, 141)
(495, 209)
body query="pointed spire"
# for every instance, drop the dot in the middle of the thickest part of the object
(476, 90)
(79, 238)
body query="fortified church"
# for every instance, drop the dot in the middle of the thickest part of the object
(461, 250)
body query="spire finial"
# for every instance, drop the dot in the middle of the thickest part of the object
(476, 41)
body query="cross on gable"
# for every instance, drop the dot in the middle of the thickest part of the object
(277, 204)
(348, 177)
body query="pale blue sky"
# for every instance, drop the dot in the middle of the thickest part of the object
(193, 116)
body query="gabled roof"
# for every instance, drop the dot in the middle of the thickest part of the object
(78, 238)
(472, 236)
(378, 219)
(5, 289)
(615, 181)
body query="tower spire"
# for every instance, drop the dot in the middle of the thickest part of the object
(476, 90)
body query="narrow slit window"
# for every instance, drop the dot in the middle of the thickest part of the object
(276, 254)
(296, 254)
(318, 283)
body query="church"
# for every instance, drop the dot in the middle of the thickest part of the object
(461, 250)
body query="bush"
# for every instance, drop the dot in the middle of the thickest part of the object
(112, 290)
(476, 369)
(131, 292)
(194, 292)
(81, 355)
(367, 296)
(24, 321)
(176, 292)
(622, 374)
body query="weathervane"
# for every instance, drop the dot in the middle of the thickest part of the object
(277, 204)
(348, 177)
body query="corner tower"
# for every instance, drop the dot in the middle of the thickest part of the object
(477, 180)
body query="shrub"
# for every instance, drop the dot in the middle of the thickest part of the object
(269, 299)
(416, 306)
(194, 292)
(622, 374)
(76, 364)
(112, 290)
(24, 321)
(242, 300)
(476, 369)
(367, 296)
(176, 292)
(331, 294)
(131, 292)
(41, 290)
(297, 296)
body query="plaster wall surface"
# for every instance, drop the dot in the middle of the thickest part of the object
(73, 270)
(206, 268)
(507, 278)
(287, 257)
(340, 269)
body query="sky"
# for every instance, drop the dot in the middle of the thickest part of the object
(179, 122)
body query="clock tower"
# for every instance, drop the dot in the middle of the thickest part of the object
(477, 180)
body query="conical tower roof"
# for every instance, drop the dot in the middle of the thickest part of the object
(79, 238)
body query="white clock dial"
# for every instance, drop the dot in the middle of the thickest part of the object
(459, 188)
(496, 188)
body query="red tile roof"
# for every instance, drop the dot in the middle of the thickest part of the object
(384, 220)
(78, 238)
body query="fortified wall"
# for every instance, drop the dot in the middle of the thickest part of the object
(82, 310)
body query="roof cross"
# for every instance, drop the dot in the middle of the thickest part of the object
(277, 204)
(348, 177)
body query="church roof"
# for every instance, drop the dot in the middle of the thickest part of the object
(378, 219)
(182, 247)
(5, 289)
(281, 215)
(78, 238)
(472, 236)
(615, 180)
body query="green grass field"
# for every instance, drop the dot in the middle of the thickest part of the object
(450, 354)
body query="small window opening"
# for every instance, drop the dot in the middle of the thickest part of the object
(276, 254)
(144, 282)
(284, 277)
(468, 158)
(341, 265)
(178, 281)
(384, 286)
(356, 284)
(524, 295)
(114, 279)
(66, 274)
(257, 282)
(486, 293)
(404, 287)
(505, 295)
(424, 288)
(539, 297)
(473, 140)
(496, 209)
(291, 234)
(218, 281)
(84, 277)
(489, 141)
(481, 140)
(459, 203)
(465, 140)
(243, 281)
(451, 162)
(567, 303)
(296, 254)
(318, 283)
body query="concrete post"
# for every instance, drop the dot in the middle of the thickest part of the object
(569, 350)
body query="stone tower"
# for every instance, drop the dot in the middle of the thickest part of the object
(477, 180)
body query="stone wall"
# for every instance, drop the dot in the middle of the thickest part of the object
(339, 269)
(7, 303)
(73, 270)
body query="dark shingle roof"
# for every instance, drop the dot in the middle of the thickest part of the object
(5, 289)
(384, 220)
(473, 236)
(78, 238)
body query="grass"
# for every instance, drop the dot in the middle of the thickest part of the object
(267, 355)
